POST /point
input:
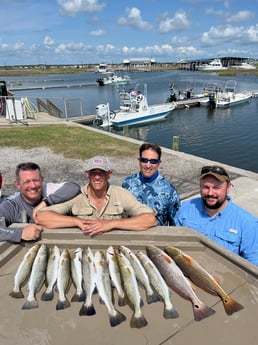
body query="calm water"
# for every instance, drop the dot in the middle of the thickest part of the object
(225, 135)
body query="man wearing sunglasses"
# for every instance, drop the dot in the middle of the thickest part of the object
(217, 217)
(101, 207)
(151, 188)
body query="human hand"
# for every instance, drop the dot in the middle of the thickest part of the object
(96, 226)
(41, 205)
(31, 232)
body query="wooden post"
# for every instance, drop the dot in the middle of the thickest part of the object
(175, 145)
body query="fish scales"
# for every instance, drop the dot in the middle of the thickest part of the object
(89, 282)
(23, 272)
(63, 280)
(37, 277)
(103, 284)
(131, 289)
(176, 280)
(159, 285)
(202, 278)
(141, 274)
(51, 273)
(76, 271)
(115, 274)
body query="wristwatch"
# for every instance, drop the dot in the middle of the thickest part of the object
(46, 201)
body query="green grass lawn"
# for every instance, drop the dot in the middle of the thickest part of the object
(72, 142)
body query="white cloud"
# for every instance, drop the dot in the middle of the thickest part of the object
(98, 32)
(72, 7)
(241, 16)
(177, 23)
(134, 19)
(48, 41)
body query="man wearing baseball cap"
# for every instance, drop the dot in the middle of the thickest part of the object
(217, 217)
(101, 207)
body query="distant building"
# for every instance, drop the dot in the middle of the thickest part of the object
(139, 64)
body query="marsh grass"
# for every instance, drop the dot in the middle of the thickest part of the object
(72, 142)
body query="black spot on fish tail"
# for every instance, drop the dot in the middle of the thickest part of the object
(47, 296)
(138, 322)
(116, 319)
(87, 310)
(152, 298)
(202, 311)
(231, 306)
(78, 298)
(62, 304)
(170, 313)
(16, 294)
(30, 304)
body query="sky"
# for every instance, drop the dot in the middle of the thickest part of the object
(90, 31)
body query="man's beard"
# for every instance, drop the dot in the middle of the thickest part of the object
(215, 206)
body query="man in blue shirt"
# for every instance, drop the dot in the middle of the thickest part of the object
(151, 188)
(217, 217)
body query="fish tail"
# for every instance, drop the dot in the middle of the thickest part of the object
(152, 298)
(121, 301)
(87, 310)
(170, 313)
(138, 321)
(30, 304)
(231, 306)
(16, 294)
(78, 297)
(47, 295)
(62, 304)
(116, 319)
(201, 311)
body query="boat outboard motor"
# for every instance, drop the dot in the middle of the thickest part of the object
(212, 100)
(102, 114)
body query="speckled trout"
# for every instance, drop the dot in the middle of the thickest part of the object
(63, 280)
(51, 274)
(23, 272)
(76, 271)
(202, 278)
(176, 280)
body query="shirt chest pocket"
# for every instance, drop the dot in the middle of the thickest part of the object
(83, 212)
(114, 212)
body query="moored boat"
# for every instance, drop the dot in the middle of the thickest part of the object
(229, 97)
(111, 78)
(214, 65)
(134, 109)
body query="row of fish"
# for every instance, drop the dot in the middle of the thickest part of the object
(158, 271)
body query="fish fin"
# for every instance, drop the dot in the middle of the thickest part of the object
(16, 294)
(231, 306)
(217, 280)
(152, 298)
(202, 311)
(47, 296)
(78, 297)
(170, 313)
(87, 310)
(30, 304)
(187, 258)
(62, 304)
(167, 258)
(101, 301)
(116, 319)
(121, 301)
(138, 322)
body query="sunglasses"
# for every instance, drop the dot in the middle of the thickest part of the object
(146, 160)
(215, 170)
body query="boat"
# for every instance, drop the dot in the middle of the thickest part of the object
(229, 97)
(134, 109)
(214, 65)
(181, 95)
(210, 91)
(112, 78)
(102, 67)
(244, 65)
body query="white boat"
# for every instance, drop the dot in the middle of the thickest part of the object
(244, 65)
(102, 67)
(214, 65)
(228, 97)
(134, 109)
(111, 78)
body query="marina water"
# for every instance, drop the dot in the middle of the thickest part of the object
(224, 135)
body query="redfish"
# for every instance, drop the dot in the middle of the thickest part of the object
(202, 278)
(176, 280)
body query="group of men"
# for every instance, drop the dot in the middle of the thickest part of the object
(146, 199)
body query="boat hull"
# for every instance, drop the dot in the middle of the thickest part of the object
(238, 99)
(153, 113)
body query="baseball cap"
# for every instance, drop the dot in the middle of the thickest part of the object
(218, 172)
(98, 162)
